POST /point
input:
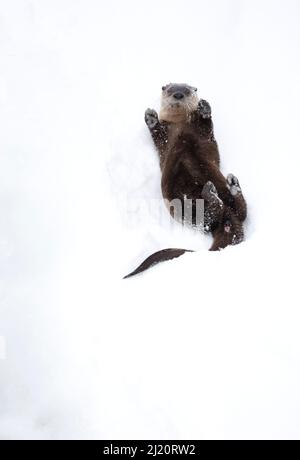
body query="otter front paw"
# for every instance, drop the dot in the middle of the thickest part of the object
(204, 109)
(233, 185)
(151, 118)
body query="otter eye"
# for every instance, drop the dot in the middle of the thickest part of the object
(163, 88)
(195, 89)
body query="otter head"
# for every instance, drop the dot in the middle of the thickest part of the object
(177, 102)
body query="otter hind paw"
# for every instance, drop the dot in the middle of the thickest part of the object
(204, 109)
(233, 184)
(151, 118)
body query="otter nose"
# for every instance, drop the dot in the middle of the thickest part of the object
(178, 95)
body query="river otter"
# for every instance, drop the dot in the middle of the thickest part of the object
(190, 165)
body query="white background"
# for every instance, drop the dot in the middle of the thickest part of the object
(203, 347)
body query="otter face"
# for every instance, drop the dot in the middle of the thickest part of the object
(177, 102)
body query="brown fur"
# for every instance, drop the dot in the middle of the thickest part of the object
(190, 164)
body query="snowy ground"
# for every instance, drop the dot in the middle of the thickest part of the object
(207, 346)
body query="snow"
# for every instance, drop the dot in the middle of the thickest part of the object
(205, 346)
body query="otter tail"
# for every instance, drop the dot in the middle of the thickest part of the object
(156, 258)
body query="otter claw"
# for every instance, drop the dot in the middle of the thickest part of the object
(151, 118)
(204, 109)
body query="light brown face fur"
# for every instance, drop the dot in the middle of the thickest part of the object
(177, 102)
